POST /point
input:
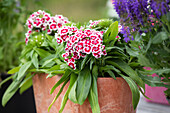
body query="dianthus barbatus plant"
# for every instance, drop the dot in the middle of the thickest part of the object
(80, 53)
(136, 14)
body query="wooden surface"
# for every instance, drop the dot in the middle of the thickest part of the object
(147, 107)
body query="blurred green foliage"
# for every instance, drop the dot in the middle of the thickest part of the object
(77, 10)
(11, 12)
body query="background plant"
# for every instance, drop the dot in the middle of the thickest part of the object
(148, 24)
(10, 12)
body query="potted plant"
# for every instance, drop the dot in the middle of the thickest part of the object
(147, 23)
(77, 59)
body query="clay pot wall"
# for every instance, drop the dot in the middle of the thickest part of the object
(114, 96)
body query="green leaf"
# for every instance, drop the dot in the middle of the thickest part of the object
(63, 78)
(159, 37)
(110, 48)
(58, 94)
(5, 80)
(72, 95)
(167, 92)
(95, 71)
(9, 92)
(148, 45)
(26, 50)
(47, 62)
(39, 70)
(153, 81)
(42, 52)
(73, 78)
(110, 67)
(54, 73)
(56, 67)
(26, 85)
(134, 90)
(132, 52)
(111, 73)
(138, 38)
(91, 63)
(35, 60)
(84, 61)
(23, 69)
(144, 61)
(93, 97)
(14, 70)
(111, 33)
(47, 58)
(83, 85)
(58, 72)
(50, 75)
(27, 78)
(31, 53)
(161, 71)
(128, 70)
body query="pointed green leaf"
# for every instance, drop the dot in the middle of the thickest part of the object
(132, 52)
(128, 70)
(93, 97)
(154, 81)
(84, 61)
(26, 50)
(8, 93)
(111, 73)
(58, 94)
(35, 60)
(27, 79)
(56, 67)
(110, 67)
(62, 79)
(95, 71)
(83, 85)
(42, 52)
(111, 33)
(159, 37)
(47, 62)
(5, 80)
(134, 90)
(73, 78)
(14, 70)
(23, 69)
(25, 86)
(144, 61)
(91, 63)
(72, 95)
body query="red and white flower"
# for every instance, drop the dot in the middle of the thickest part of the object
(41, 20)
(72, 65)
(96, 49)
(87, 49)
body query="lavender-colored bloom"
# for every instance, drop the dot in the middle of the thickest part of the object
(126, 33)
(18, 3)
(137, 14)
(159, 7)
(130, 13)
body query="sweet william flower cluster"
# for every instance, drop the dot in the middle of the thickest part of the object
(41, 21)
(80, 42)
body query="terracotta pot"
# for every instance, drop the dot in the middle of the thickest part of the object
(114, 96)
